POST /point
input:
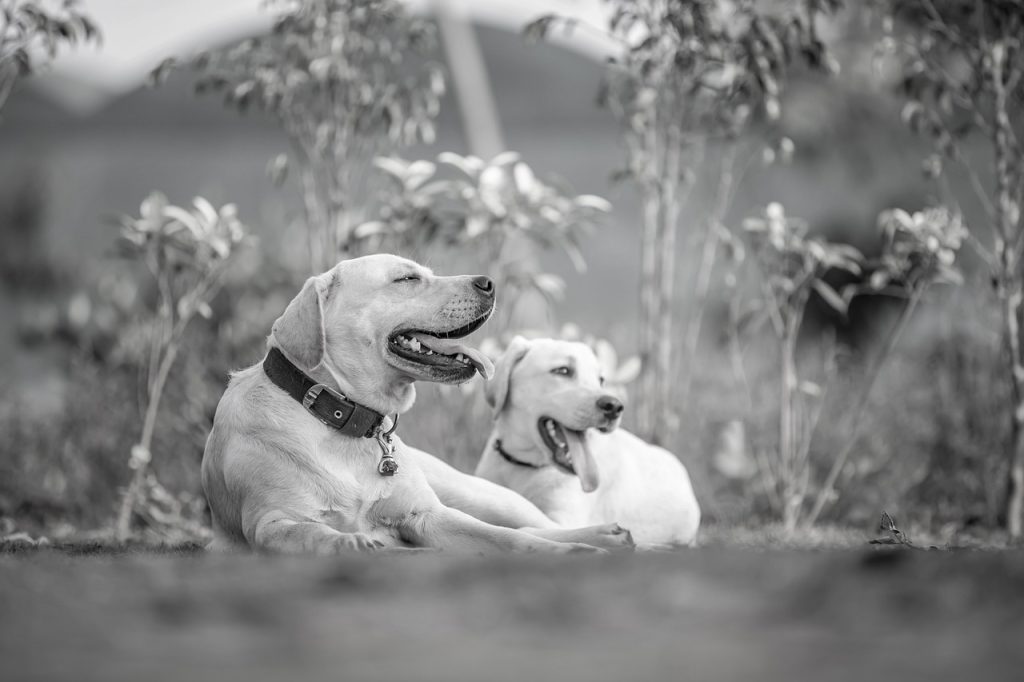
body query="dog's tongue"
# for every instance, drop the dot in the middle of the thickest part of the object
(583, 459)
(453, 347)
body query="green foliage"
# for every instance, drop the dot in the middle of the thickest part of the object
(185, 250)
(788, 267)
(32, 31)
(684, 76)
(187, 253)
(346, 79)
(919, 249)
(714, 63)
(483, 211)
(793, 265)
(962, 73)
(707, 66)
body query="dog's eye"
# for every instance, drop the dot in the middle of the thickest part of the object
(562, 371)
(408, 278)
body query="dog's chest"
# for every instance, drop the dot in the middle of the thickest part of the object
(361, 492)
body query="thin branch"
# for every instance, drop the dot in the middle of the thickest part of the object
(825, 492)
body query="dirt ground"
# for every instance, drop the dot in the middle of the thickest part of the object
(706, 614)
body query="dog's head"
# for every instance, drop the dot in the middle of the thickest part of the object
(550, 394)
(378, 323)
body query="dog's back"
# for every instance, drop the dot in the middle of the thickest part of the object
(651, 493)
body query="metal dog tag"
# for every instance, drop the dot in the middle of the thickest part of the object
(387, 465)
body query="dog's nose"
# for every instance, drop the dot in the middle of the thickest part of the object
(484, 285)
(611, 407)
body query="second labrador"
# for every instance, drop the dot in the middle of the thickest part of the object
(555, 441)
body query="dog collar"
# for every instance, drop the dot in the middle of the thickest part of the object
(509, 458)
(332, 408)
(518, 462)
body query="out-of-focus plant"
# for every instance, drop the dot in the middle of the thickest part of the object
(33, 31)
(480, 212)
(186, 252)
(346, 79)
(788, 267)
(919, 251)
(688, 75)
(962, 73)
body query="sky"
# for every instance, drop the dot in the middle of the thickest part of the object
(139, 34)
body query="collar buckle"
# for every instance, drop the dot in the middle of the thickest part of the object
(313, 393)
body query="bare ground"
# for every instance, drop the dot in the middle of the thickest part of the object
(715, 613)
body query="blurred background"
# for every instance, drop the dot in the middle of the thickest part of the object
(808, 336)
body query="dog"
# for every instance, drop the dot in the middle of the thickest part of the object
(555, 441)
(302, 458)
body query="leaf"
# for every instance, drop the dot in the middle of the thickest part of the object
(277, 169)
(492, 183)
(153, 205)
(393, 166)
(594, 202)
(948, 275)
(526, 183)
(810, 388)
(606, 355)
(159, 75)
(551, 285)
(831, 296)
(505, 159)
(206, 209)
(628, 371)
(185, 218)
(537, 30)
(369, 229)
(477, 224)
(472, 166)
(417, 173)
(879, 279)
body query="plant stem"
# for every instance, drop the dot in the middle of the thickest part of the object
(131, 496)
(648, 286)
(664, 337)
(787, 447)
(895, 333)
(708, 257)
(1007, 217)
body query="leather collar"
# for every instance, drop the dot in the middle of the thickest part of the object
(323, 402)
(509, 458)
(518, 462)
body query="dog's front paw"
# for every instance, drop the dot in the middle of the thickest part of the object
(354, 542)
(612, 536)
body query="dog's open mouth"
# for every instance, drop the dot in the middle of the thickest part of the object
(570, 450)
(439, 354)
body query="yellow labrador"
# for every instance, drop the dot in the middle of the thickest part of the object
(301, 457)
(555, 442)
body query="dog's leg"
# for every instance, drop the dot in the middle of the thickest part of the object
(608, 536)
(497, 505)
(450, 529)
(275, 531)
(478, 497)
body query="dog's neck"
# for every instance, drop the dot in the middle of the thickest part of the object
(391, 397)
(513, 441)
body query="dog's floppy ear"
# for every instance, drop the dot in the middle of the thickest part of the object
(299, 332)
(496, 390)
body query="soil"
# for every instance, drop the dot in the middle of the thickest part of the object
(703, 614)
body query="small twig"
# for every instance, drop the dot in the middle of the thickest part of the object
(837, 465)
